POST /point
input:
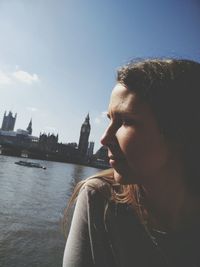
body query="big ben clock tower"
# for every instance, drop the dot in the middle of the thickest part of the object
(84, 136)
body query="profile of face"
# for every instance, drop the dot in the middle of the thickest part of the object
(137, 150)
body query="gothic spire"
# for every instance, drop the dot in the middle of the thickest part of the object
(29, 128)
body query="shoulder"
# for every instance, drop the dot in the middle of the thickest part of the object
(98, 185)
(94, 195)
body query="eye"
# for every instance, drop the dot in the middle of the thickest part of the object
(128, 122)
(108, 116)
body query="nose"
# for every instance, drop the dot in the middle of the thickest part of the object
(110, 140)
(108, 137)
(104, 138)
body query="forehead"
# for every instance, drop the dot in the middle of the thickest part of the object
(123, 100)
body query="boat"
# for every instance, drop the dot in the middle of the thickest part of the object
(30, 164)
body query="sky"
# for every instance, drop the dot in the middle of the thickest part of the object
(58, 58)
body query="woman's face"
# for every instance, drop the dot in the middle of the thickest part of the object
(137, 150)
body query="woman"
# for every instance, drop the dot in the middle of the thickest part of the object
(145, 211)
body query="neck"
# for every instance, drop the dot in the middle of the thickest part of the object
(169, 204)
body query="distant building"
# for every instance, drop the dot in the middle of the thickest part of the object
(16, 137)
(84, 136)
(102, 154)
(8, 123)
(100, 158)
(48, 143)
(8, 133)
(73, 144)
(90, 149)
(20, 137)
(27, 133)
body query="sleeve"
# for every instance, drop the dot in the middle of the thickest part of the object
(77, 250)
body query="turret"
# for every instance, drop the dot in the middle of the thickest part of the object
(29, 128)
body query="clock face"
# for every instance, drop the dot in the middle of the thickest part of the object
(83, 129)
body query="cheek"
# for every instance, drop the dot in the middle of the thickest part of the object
(139, 148)
(147, 154)
(136, 151)
(127, 139)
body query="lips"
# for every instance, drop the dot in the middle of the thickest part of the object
(115, 157)
(111, 157)
(113, 160)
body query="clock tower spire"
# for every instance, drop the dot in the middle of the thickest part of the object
(84, 136)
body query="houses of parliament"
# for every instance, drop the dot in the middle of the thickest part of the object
(23, 144)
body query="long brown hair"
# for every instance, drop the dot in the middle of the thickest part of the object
(118, 193)
(171, 87)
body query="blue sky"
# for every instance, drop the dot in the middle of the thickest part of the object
(58, 58)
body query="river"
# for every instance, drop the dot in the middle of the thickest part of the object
(32, 203)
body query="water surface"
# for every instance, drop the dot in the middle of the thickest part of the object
(32, 202)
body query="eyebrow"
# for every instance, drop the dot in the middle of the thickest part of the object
(122, 114)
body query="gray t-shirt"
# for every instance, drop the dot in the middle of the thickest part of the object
(106, 234)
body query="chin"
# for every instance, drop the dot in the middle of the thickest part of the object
(122, 178)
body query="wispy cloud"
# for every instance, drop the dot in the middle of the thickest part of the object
(99, 119)
(17, 76)
(5, 78)
(25, 77)
(32, 109)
